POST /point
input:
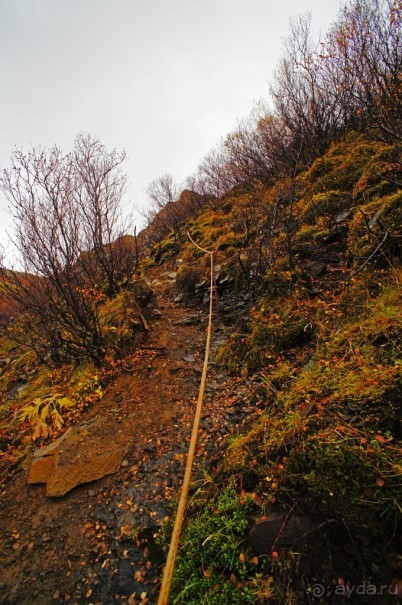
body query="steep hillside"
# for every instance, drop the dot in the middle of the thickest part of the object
(314, 262)
(297, 487)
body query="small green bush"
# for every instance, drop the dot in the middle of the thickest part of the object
(213, 561)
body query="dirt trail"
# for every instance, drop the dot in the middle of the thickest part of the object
(51, 548)
(95, 545)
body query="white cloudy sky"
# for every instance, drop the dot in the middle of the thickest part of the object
(163, 79)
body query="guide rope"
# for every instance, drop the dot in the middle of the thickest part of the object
(174, 543)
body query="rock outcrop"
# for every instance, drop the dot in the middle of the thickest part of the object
(79, 456)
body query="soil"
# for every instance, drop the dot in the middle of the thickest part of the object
(97, 543)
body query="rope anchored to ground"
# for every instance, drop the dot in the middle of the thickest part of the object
(174, 543)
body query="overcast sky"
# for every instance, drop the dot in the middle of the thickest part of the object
(162, 79)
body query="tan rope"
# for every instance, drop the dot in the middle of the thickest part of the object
(174, 543)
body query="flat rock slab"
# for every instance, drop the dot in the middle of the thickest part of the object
(79, 456)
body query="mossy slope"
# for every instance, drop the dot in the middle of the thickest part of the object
(320, 257)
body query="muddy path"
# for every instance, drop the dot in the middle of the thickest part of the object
(96, 544)
(47, 542)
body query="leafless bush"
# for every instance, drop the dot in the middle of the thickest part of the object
(69, 235)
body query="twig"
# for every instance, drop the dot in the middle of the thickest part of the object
(283, 526)
(151, 348)
(386, 234)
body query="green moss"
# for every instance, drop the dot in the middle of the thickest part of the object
(276, 327)
(166, 248)
(121, 320)
(380, 174)
(278, 282)
(308, 238)
(342, 166)
(352, 485)
(229, 243)
(327, 204)
(213, 565)
(271, 435)
(358, 367)
(370, 223)
(329, 439)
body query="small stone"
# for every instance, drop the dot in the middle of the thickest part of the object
(316, 269)
(91, 493)
(213, 385)
(125, 463)
(188, 321)
(189, 358)
(126, 519)
(342, 216)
